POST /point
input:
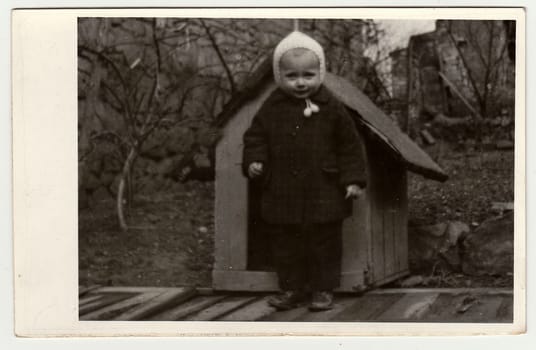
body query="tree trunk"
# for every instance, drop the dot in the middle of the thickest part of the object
(125, 174)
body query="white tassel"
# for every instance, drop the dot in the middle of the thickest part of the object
(310, 108)
(314, 107)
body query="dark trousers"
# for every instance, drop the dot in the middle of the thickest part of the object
(307, 256)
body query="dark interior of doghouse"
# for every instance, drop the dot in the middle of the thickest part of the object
(259, 249)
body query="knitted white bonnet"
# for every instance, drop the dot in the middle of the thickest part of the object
(293, 41)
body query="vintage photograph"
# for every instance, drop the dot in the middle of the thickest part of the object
(296, 170)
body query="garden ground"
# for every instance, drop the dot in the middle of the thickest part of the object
(170, 242)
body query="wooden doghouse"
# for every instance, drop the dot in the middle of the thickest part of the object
(375, 244)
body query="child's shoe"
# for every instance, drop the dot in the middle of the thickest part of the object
(321, 301)
(287, 300)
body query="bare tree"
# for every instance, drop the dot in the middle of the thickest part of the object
(139, 76)
(482, 48)
(130, 79)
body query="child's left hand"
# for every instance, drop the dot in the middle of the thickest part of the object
(353, 191)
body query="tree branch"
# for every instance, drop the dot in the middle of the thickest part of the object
(467, 68)
(220, 56)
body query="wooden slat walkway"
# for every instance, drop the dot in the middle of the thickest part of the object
(480, 305)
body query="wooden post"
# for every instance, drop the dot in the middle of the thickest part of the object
(459, 95)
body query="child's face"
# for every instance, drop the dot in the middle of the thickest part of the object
(300, 73)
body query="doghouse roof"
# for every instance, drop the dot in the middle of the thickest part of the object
(407, 151)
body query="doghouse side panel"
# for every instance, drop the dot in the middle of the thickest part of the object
(390, 183)
(375, 191)
(356, 243)
(395, 220)
(231, 189)
(390, 188)
(231, 208)
(388, 200)
(402, 222)
(355, 240)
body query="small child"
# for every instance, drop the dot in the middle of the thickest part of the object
(303, 147)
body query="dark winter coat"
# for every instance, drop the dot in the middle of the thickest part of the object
(308, 162)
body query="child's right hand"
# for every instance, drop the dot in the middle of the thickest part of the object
(255, 169)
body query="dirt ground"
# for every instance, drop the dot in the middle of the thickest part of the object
(170, 242)
(476, 180)
(171, 239)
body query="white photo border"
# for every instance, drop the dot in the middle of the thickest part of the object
(44, 179)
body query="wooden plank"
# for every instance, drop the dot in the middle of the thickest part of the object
(230, 212)
(411, 307)
(505, 313)
(459, 95)
(286, 316)
(251, 281)
(480, 308)
(397, 223)
(133, 290)
(350, 259)
(389, 253)
(474, 291)
(104, 301)
(85, 290)
(367, 240)
(189, 307)
(367, 307)
(110, 311)
(355, 238)
(231, 209)
(438, 50)
(388, 193)
(340, 304)
(388, 205)
(376, 221)
(250, 312)
(205, 291)
(402, 241)
(444, 308)
(89, 299)
(220, 309)
(221, 235)
(391, 278)
(484, 310)
(171, 297)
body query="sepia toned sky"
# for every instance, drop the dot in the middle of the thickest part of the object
(398, 32)
(396, 36)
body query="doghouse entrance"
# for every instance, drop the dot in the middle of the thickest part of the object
(259, 251)
(374, 237)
